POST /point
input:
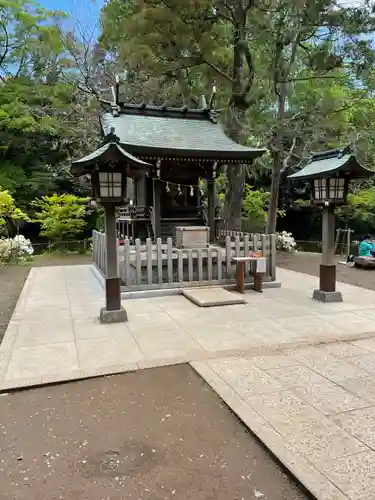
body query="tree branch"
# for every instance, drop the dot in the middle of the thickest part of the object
(217, 70)
(288, 156)
(312, 77)
(6, 49)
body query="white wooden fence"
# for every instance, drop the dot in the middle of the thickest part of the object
(150, 266)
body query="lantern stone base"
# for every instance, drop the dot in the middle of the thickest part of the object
(323, 296)
(117, 316)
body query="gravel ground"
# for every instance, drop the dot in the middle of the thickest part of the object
(309, 263)
(154, 434)
(12, 279)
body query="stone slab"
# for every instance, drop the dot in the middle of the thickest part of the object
(211, 297)
(118, 316)
(307, 473)
(322, 296)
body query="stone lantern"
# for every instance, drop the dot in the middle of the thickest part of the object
(108, 167)
(329, 173)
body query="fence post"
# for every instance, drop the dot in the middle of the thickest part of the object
(159, 257)
(190, 265)
(246, 252)
(169, 260)
(273, 256)
(228, 256)
(138, 261)
(149, 260)
(127, 262)
(237, 245)
(209, 264)
(180, 266)
(94, 248)
(200, 264)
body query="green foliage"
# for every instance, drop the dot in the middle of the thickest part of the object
(283, 79)
(9, 211)
(62, 217)
(30, 40)
(302, 203)
(41, 129)
(255, 203)
(359, 213)
(45, 119)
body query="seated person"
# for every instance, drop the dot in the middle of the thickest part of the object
(366, 247)
(372, 241)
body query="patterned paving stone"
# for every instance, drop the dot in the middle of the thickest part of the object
(354, 475)
(359, 423)
(296, 375)
(329, 398)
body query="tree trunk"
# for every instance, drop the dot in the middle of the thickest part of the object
(274, 193)
(236, 113)
(277, 163)
(233, 197)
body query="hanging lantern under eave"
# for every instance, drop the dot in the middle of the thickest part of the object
(330, 190)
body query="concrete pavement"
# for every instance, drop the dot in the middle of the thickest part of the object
(300, 374)
(54, 333)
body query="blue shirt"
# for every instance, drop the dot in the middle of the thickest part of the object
(365, 248)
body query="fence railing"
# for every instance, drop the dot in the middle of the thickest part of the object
(161, 265)
(99, 249)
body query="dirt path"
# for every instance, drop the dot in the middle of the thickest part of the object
(309, 263)
(154, 434)
(12, 279)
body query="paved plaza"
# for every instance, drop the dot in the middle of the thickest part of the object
(55, 334)
(299, 373)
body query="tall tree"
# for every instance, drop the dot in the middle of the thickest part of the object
(43, 119)
(308, 41)
(190, 45)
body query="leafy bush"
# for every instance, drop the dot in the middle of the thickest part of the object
(62, 217)
(15, 249)
(285, 242)
(9, 211)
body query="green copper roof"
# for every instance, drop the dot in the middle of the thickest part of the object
(153, 132)
(99, 153)
(336, 161)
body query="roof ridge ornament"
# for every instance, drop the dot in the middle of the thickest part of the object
(331, 153)
(212, 98)
(345, 151)
(111, 137)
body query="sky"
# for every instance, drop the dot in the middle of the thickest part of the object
(85, 11)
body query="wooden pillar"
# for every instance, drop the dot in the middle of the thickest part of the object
(156, 188)
(327, 274)
(211, 202)
(112, 281)
(328, 266)
(113, 312)
(141, 191)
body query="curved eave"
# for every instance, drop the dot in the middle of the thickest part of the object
(349, 166)
(246, 155)
(81, 165)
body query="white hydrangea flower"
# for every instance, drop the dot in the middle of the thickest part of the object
(18, 247)
(285, 242)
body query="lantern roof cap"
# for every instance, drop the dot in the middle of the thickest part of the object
(341, 161)
(111, 143)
